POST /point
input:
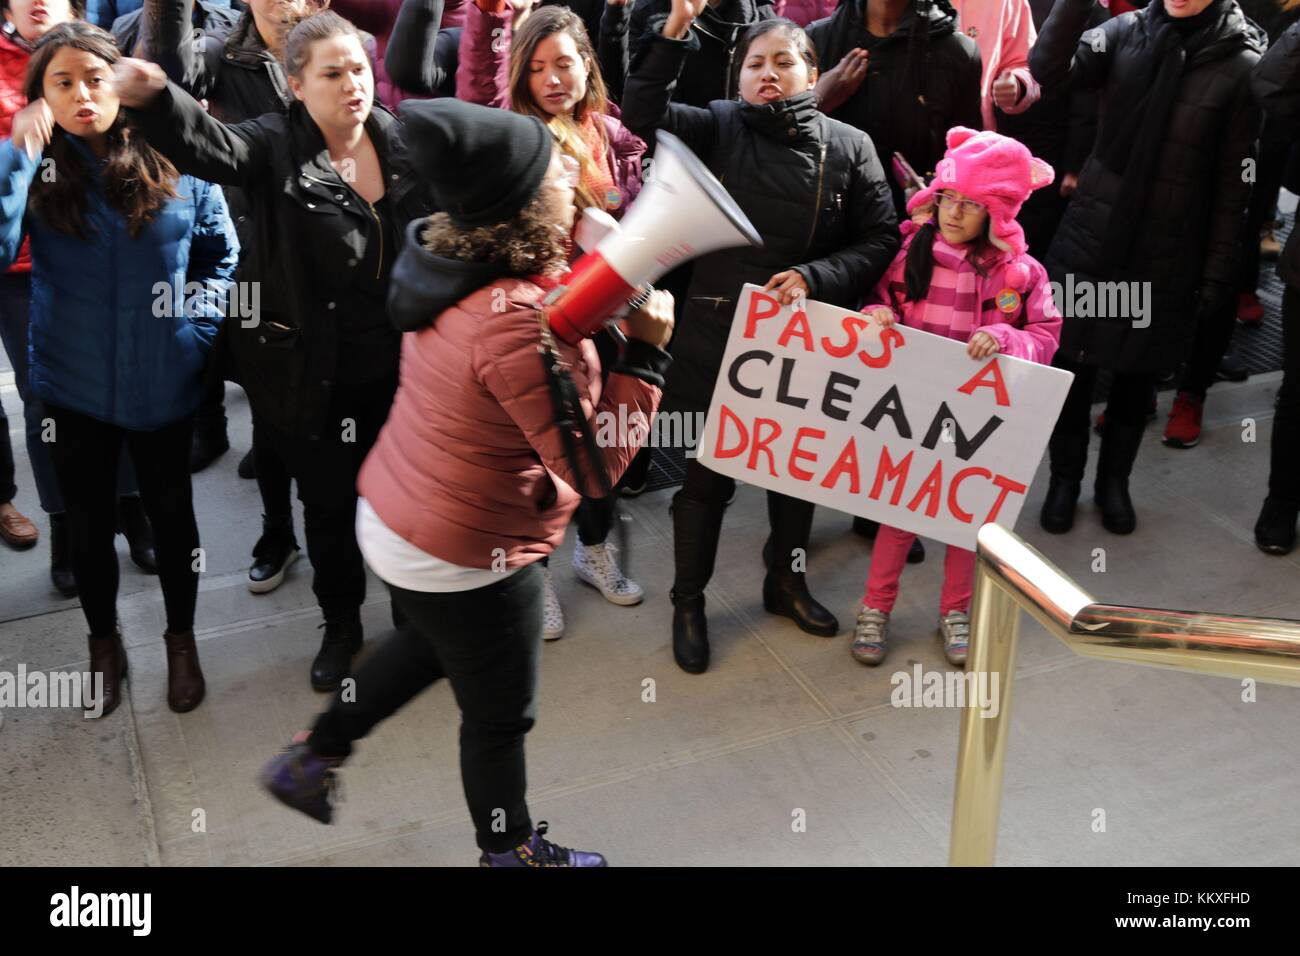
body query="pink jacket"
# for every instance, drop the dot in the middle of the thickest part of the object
(483, 77)
(376, 17)
(1004, 32)
(1031, 330)
(469, 461)
(804, 12)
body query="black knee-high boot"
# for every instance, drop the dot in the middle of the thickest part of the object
(696, 527)
(785, 590)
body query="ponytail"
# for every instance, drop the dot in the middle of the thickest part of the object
(919, 268)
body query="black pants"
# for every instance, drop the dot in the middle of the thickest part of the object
(1127, 404)
(1274, 148)
(326, 473)
(487, 643)
(85, 453)
(8, 488)
(1284, 472)
(712, 490)
(1213, 335)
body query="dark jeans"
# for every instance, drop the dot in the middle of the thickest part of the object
(272, 477)
(1284, 472)
(326, 473)
(15, 317)
(487, 643)
(85, 452)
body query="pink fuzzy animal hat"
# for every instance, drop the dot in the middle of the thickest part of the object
(994, 170)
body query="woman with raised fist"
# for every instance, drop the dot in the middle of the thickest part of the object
(119, 338)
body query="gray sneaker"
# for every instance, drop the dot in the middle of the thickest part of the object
(954, 628)
(870, 636)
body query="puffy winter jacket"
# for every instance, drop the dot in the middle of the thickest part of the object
(710, 74)
(1004, 31)
(115, 332)
(889, 106)
(469, 460)
(1276, 85)
(804, 12)
(102, 13)
(482, 77)
(13, 76)
(1031, 331)
(316, 241)
(1189, 239)
(813, 188)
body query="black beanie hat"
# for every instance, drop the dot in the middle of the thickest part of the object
(483, 164)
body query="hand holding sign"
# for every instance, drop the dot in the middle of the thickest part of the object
(883, 421)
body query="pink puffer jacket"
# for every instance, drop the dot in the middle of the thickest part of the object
(483, 77)
(804, 12)
(469, 467)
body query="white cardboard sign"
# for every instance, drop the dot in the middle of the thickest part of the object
(896, 424)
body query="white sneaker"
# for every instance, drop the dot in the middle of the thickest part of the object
(954, 628)
(552, 616)
(870, 636)
(597, 566)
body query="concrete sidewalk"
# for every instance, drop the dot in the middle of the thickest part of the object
(720, 768)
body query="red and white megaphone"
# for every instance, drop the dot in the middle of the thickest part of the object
(682, 212)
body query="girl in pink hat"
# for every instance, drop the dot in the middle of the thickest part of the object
(963, 272)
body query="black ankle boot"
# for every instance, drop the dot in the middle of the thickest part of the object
(134, 525)
(1057, 516)
(1119, 448)
(276, 550)
(785, 591)
(61, 556)
(1068, 456)
(690, 634)
(696, 528)
(209, 443)
(342, 641)
(1275, 530)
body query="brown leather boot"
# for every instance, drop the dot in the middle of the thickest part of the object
(185, 684)
(108, 657)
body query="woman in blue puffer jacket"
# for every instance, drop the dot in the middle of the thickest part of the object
(131, 269)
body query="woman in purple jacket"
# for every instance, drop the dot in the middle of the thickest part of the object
(540, 62)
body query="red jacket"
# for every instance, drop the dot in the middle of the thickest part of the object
(376, 17)
(804, 12)
(469, 467)
(13, 76)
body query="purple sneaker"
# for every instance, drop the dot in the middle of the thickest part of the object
(539, 851)
(300, 779)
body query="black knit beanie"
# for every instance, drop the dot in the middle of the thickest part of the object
(484, 165)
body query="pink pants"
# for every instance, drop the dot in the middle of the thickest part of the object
(889, 554)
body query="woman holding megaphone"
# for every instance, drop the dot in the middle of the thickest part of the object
(469, 485)
(815, 190)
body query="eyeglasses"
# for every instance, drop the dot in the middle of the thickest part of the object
(966, 207)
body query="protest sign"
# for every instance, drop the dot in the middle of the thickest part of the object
(895, 424)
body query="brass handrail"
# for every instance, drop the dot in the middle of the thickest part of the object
(1010, 576)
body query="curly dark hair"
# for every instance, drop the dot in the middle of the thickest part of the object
(529, 244)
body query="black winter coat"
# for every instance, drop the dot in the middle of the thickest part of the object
(888, 107)
(232, 70)
(217, 21)
(813, 188)
(1189, 242)
(1276, 85)
(710, 74)
(316, 244)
